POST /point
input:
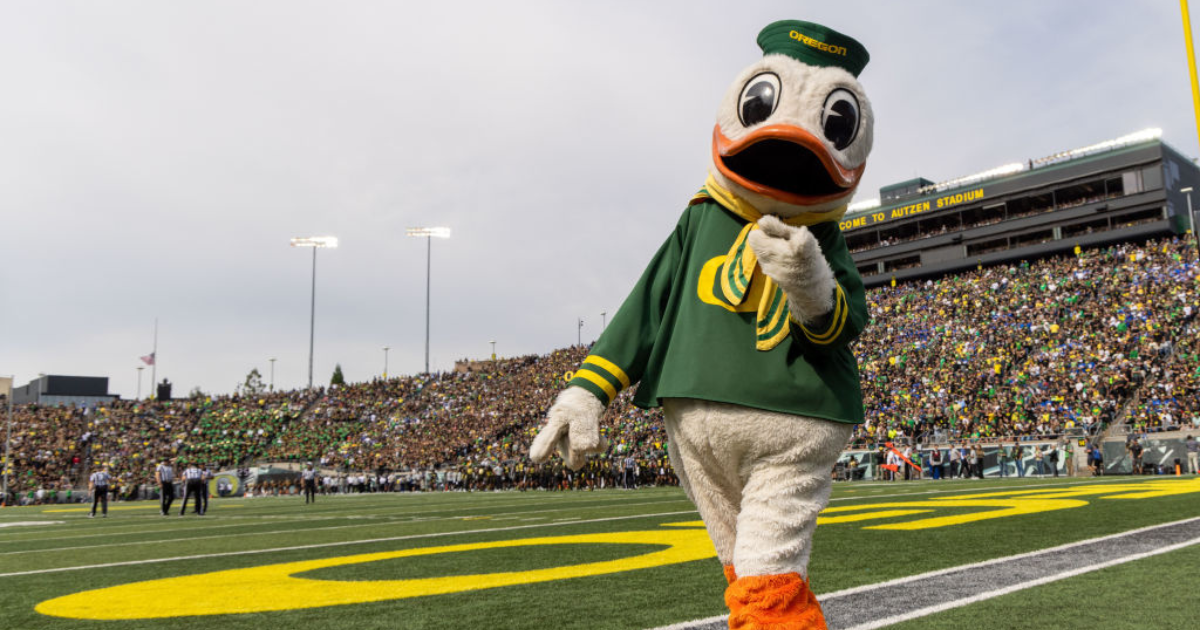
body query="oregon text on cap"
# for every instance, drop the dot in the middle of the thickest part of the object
(819, 45)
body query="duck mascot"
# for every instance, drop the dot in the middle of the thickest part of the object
(740, 326)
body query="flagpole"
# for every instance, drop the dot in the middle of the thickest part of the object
(154, 364)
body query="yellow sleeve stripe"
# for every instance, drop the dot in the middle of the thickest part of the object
(839, 316)
(598, 381)
(610, 367)
(838, 322)
(839, 308)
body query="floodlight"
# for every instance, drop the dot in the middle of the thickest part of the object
(436, 232)
(429, 233)
(315, 241)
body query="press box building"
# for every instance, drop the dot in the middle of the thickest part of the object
(1128, 189)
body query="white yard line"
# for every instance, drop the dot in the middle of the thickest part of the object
(340, 544)
(708, 621)
(190, 538)
(984, 563)
(385, 512)
(923, 612)
(191, 526)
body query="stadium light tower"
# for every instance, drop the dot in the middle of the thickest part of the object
(428, 233)
(315, 242)
(385, 351)
(272, 360)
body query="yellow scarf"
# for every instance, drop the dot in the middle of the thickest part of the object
(741, 269)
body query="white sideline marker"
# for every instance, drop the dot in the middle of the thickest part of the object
(343, 543)
(978, 597)
(922, 612)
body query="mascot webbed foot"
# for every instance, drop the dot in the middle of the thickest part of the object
(775, 602)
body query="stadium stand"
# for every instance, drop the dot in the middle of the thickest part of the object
(1032, 350)
(1082, 319)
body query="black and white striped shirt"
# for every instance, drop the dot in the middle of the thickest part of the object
(100, 478)
(192, 474)
(308, 475)
(165, 473)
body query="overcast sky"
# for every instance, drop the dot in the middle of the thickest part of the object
(156, 157)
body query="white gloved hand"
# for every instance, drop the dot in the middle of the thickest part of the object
(573, 427)
(792, 257)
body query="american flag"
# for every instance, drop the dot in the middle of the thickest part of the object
(148, 359)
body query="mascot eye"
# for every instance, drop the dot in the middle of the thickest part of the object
(839, 118)
(759, 98)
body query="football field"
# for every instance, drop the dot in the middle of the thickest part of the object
(950, 554)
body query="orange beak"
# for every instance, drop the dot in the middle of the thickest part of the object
(777, 149)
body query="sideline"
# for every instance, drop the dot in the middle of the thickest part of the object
(378, 511)
(374, 523)
(860, 607)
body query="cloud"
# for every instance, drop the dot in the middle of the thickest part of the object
(156, 159)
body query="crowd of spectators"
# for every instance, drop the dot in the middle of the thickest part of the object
(1034, 350)
(1037, 350)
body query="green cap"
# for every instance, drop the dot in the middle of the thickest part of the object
(814, 45)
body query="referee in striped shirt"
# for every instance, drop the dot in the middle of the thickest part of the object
(98, 484)
(193, 479)
(309, 477)
(164, 474)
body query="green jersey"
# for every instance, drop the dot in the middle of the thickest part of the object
(680, 338)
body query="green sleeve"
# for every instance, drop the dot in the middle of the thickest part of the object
(618, 358)
(849, 315)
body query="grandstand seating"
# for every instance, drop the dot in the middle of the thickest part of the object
(1025, 351)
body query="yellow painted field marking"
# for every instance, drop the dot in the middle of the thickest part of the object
(869, 516)
(276, 587)
(1003, 504)
(1000, 509)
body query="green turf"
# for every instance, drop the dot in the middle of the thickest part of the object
(1154, 592)
(256, 532)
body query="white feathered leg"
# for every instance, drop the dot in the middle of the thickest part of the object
(704, 471)
(758, 479)
(788, 485)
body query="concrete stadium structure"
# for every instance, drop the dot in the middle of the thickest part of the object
(1128, 189)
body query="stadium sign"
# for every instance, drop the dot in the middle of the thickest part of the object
(912, 209)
